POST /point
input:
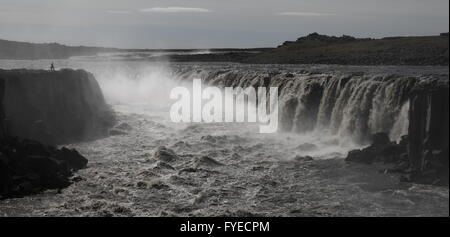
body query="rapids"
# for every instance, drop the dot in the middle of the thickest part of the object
(154, 167)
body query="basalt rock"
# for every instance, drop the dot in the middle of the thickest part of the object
(39, 109)
(429, 133)
(27, 167)
(53, 107)
(353, 103)
(380, 139)
(72, 158)
(381, 150)
(425, 150)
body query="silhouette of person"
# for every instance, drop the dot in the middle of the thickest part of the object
(52, 67)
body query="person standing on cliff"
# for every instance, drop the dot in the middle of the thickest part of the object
(52, 67)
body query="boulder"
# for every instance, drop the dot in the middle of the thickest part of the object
(358, 156)
(289, 75)
(206, 161)
(303, 158)
(50, 171)
(124, 126)
(381, 150)
(27, 167)
(165, 154)
(73, 159)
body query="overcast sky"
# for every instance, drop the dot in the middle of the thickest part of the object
(213, 23)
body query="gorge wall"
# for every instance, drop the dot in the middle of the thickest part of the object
(428, 147)
(356, 105)
(53, 107)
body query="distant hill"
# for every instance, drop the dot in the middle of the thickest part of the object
(22, 50)
(311, 49)
(322, 49)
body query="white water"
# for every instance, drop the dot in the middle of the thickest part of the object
(260, 174)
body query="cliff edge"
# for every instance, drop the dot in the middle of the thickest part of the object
(53, 107)
(39, 109)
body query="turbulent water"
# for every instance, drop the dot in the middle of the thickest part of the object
(153, 167)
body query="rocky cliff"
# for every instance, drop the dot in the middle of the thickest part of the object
(53, 107)
(46, 107)
(371, 107)
(422, 155)
(429, 132)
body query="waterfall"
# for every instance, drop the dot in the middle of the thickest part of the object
(344, 104)
(401, 124)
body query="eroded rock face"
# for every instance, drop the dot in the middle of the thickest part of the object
(429, 132)
(37, 108)
(424, 153)
(53, 107)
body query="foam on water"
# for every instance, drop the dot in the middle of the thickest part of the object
(229, 168)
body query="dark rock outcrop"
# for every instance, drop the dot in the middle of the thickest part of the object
(39, 108)
(53, 107)
(165, 154)
(423, 155)
(381, 150)
(28, 166)
(429, 132)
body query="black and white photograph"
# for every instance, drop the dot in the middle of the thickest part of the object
(224, 109)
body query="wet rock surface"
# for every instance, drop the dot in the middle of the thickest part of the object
(28, 167)
(423, 155)
(435, 169)
(164, 154)
(381, 150)
(428, 146)
(37, 108)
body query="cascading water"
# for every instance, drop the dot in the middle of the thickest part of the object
(227, 168)
(400, 127)
(351, 106)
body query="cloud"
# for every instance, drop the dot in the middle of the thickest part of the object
(117, 12)
(176, 10)
(304, 14)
